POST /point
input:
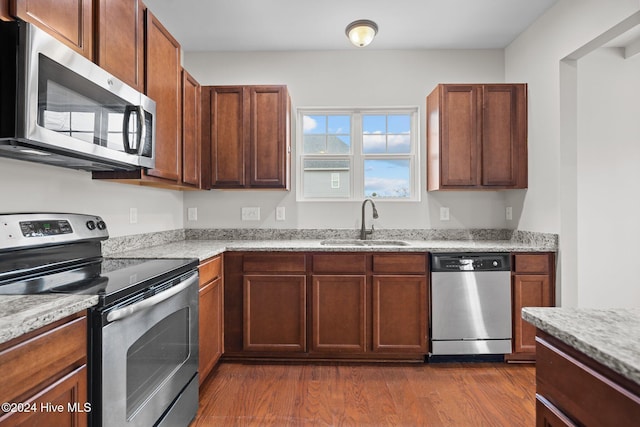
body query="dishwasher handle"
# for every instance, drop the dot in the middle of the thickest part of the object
(130, 310)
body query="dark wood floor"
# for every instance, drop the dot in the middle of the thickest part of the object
(471, 394)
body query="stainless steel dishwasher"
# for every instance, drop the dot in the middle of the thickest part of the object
(470, 304)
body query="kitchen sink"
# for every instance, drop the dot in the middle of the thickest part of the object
(357, 242)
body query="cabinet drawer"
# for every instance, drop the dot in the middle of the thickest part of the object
(531, 263)
(339, 263)
(400, 263)
(210, 269)
(267, 262)
(42, 358)
(583, 393)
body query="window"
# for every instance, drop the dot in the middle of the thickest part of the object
(355, 154)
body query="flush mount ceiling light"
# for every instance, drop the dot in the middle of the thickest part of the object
(361, 32)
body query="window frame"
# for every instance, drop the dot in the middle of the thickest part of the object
(356, 156)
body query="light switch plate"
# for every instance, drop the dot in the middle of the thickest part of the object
(251, 214)
(508, 213)
(444, 214)
(192, 214)
(133, 215)
(280, 213)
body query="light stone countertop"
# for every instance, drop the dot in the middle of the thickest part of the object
(203, 249)
(20, 314)
(609, 336)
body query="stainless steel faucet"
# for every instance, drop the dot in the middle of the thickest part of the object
(363, 228)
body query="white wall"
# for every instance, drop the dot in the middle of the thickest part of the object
(550, 204)
(608, 179)
(349, 78)
(30, 187)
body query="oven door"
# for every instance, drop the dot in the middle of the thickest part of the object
(150, 357)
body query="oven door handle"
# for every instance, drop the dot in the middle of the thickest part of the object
(151, 301)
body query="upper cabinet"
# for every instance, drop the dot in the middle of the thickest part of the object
(249, 131)
(70, 21)
(477, 137)
(192, 149)
(120, 40)
(164, 85)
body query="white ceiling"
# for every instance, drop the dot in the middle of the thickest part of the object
(261, 25)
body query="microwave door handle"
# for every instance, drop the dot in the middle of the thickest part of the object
(130, 310)
(141, 131)
(125, 128)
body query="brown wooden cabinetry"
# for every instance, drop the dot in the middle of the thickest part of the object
(192, 149)
(249, 132)
(211, 315)
(339, 303)
(574, 389)
(299, 305)
(477, 137)
(400, 300)
(46, 366)
(274, 303)
(120, 40)
(70, 21)
(533, 285)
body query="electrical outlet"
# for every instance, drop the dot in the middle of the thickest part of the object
(280, 213)
(192, 214)
(444, 214)
(508, 213)
(133, 215)
(251, 214)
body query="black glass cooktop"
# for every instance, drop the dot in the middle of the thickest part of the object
(112, 279)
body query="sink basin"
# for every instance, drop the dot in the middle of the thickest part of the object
(356, 242)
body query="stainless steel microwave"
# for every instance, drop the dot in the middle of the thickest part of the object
(59, 108)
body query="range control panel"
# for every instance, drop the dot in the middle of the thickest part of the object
(471, 262)
(24, 230)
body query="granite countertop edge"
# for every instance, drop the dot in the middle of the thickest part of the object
(608, 336)
(20, 314)
(203, 249)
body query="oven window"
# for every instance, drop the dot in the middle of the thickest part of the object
(155, 356)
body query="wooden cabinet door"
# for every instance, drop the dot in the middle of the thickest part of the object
(547, 415)
(339, 313)
(529, 290)
(228, 138)
(400, 314)
(274, 315)
(191, 133)
(269, 136)
(460, 135)
(502, 134)
(211, 326)
(120, 44)
(163, 85)
(69, 393)
(70, 21)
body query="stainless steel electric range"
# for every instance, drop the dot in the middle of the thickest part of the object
(143, 339)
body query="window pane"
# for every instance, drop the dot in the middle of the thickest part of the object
(387, 178)
(315, 144)
(374, 124)
(314, 124)
(339, 124)
(399, 144)
(326, 178)
(372, 144)
(338, 144)
(399, 124)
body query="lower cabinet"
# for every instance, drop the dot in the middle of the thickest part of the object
(339, 313)
(572, 389)
(322, 306)
(275, 313)
(533, 285)
(210, 316)
(46, 372)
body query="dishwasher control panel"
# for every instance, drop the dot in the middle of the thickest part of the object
(470, 262)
